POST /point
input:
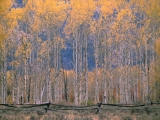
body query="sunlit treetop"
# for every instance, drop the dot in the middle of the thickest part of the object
(5, 6)
(14, 15)
(125, 14)
(79, 12)
(152, 7)
(139, 2)
(86, 10)
(107, 7)
(47, 11)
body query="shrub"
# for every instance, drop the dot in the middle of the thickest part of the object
(89, 102)
(103, 115)
(40, 112)
(127, 118)
(87, 118)
(148, 111)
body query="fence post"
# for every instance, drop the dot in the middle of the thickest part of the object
(99, 108)
(47, 107)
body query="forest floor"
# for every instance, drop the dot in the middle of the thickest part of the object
(114, 114)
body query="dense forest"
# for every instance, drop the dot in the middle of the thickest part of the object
(79, 51)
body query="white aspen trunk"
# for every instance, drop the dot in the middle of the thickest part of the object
(96, 97)
(104, 76)
(129, 78)
(13, 88)
(104, 88)
(18, 88)
(121, 88)
(25, 79)
(29, 79)
(65, 83)
(36, 88)
(55, 75)
(86, 72)
(80, 92)
(56, 87)
(13, 95)
(80, 71)
(4, 76)
(76, 70)
(34, 98)
(121, 80)
(136, 80)
(140, 75)
(58, 69)
(48, 76)
(1, 82)
(2, 89)
(22, 90)
(49, 88)
(126, 86)
(60, 91)
(111, 75)
(42, 92)
(146, 71)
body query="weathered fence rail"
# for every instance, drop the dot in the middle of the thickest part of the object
(59, 107)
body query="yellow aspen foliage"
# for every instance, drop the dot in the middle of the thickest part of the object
(49, 11)
(43, 50)
(5, 5)
(2, 34)
(154, 9)
(124, 21)
(78, 12)
(151, 7)
(93, 27)
(107, 6)
(143, 4)
(14, 15)
(124, 13)
(15, 63)
(49, 7)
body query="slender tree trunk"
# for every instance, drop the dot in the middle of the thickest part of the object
(56, 85)
(129, 78)
(104, 74)
(65, 85)
(48, 79)
(13, 87)
(86, 71)
(80, 71)
(76, 70)
(122, 81)
(4, 87)
(25, 79)
(96, 97)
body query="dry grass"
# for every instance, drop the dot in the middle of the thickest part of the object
(81, 115)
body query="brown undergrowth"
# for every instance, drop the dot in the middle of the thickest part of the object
(146, 114)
